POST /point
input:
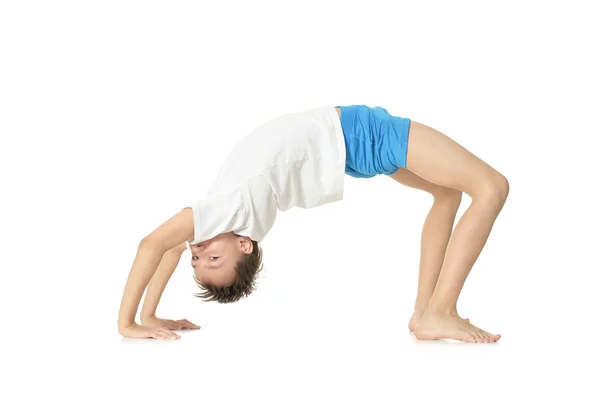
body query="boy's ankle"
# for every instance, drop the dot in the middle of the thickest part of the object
(421, 307)
(441, 310)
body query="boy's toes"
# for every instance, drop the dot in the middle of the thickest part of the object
(471, 337)
(484, 336)
(487, 337)
(491, 337)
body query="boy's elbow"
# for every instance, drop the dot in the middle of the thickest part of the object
(144, 242)
(149, 242)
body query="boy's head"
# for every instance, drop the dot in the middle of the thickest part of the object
(226, 266)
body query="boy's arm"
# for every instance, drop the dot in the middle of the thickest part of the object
(159, 281)
(150, 251)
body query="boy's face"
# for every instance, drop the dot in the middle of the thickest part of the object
(214, 260)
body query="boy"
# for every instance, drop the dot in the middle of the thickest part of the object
(300, 159)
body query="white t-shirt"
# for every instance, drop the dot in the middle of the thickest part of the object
(293, 160)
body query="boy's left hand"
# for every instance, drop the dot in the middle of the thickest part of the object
(157, 322)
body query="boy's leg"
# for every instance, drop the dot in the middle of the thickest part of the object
(434, 236)
(440, 160)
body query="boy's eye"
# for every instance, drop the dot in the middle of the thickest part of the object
(213, 257)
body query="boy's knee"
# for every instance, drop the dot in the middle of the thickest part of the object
(504, 187)
(494, 191)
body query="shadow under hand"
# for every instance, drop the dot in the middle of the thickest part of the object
(154, 341)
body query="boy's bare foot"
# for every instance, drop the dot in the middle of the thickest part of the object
(439, 326)
(417, 316)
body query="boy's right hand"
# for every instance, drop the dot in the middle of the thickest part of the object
(157, 322)
(138, 331)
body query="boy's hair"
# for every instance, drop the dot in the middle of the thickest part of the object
(246, 271)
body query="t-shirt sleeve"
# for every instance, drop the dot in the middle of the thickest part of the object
(220, 212)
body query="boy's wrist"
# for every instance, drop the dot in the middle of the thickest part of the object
(126, 326)
(146, 318)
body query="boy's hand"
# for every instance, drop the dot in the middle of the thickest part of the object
(137, 331)
(157, 322)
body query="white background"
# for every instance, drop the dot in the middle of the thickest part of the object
(116, 114)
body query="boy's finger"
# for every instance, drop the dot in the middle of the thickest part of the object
(188, 323)
(169, 334)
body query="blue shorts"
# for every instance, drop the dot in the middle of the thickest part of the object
(376, 142)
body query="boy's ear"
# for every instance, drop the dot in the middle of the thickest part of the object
(172, 233)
